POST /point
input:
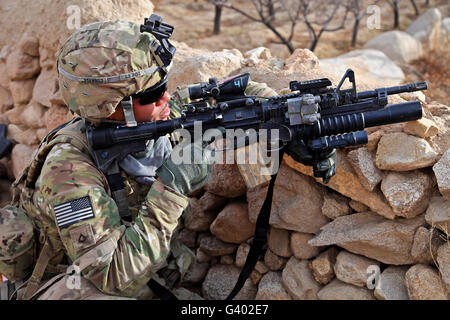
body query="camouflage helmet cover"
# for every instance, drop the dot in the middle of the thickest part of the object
(103, 62)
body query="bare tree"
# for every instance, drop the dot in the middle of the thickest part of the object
(218, 4)
(416, 9)
(395, 9)
(265, 14)
(318, 15)
(354, 7)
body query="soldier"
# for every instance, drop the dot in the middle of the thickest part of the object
(110, 72)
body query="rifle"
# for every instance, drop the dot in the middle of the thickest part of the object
(322, 116)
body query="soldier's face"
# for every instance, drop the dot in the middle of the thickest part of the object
(158, 110)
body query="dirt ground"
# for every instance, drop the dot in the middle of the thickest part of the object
(193, 21)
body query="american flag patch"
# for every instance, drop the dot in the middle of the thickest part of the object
(74, 211)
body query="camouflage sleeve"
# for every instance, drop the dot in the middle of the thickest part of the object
(118, 259)
(259, 89)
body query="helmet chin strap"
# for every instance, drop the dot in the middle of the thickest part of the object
(127, 106)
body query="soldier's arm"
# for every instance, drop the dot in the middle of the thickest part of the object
(118, 259)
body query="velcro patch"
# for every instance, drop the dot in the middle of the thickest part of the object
(74, 211)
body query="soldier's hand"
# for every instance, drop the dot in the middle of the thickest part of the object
(323, 162)
(185, 176)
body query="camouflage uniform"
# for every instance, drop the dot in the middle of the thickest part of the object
(115, 258)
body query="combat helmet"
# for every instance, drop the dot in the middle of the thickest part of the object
(104, 64)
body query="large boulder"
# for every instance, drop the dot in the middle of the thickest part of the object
(373, 236)
(427, 28)
(369, 64)
(398, 45)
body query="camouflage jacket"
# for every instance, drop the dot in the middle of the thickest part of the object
(118, 259)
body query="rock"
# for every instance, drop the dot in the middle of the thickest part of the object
(278, 242)
(4, 79)
(187, 237)
(353, 269)
(21, 134)
(228, 259)
(423, 283)
(6, 101)
(402, 152)
(201, 256)
(56, 116)
(403, 47)
(445, 30)
(41, 133)
(29, 45)
(214, 247)
(220, 280)
(232, 224)
(442, 172)
(443, 260)
(21, 90)
(196, 273)
(425, 245)
(255, 55)
(45, 87)
(408, 193)
(241, 254)
(426, 28)
(371, 235)
(412, 96)
(335, 205)
(274, 262)
(199, 68)
(226, 181)
(440, 115)
(338, 290)
(21, 66)
(211, 202)
(358, 206)
(438, 214)
(363, 163)
(14, 115)
(255, 200)
(33, 115)
(298, 280)
(301, 60)
(422, 128)
(185, 294)
(291, 192)
(271, 288)
(323, 266)
(391, 284)
(369, 64)
(300, 247)
(196, 219)
(346, 182)
(21, 156)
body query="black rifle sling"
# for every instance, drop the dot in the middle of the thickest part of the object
(162, 292)
(259, 239)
